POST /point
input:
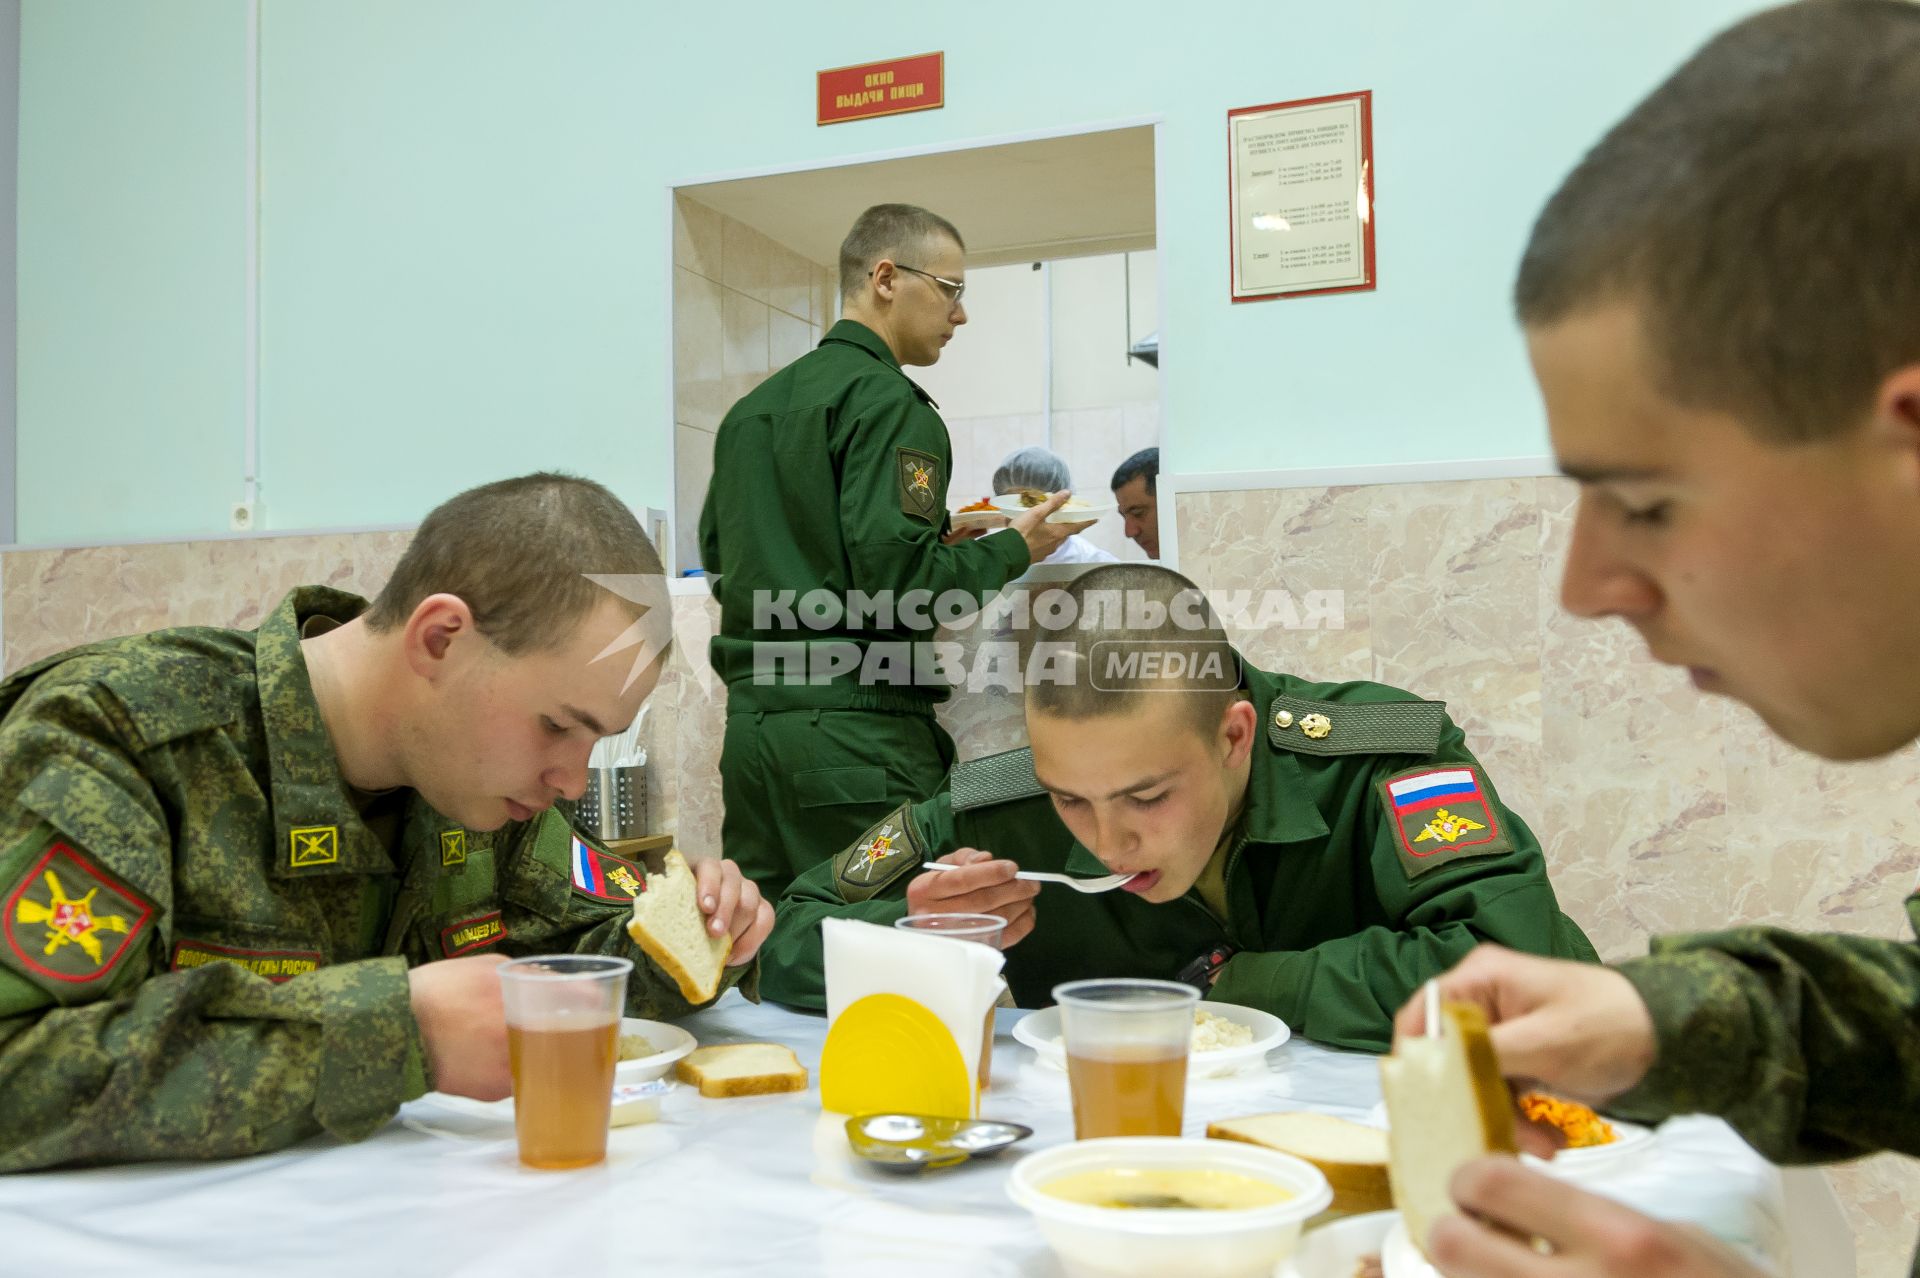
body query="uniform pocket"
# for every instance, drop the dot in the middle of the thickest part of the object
(829, 787)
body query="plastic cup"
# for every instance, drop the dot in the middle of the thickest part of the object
(563, 1030)
(987, 929)
(1127, 1043)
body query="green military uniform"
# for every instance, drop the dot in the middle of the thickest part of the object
(1809, 1045)
(205, 935)
(1342, 893)
(831, 477)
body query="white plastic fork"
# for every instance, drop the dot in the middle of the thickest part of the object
(1102, 883)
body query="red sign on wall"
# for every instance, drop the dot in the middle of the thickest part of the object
(882, 88)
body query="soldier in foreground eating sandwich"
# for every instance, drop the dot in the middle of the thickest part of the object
(256, 883)
(1312, 850)
(1743, 416)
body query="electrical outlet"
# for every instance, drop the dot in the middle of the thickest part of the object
(242, 516)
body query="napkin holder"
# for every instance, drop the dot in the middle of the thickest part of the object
(904, 1012)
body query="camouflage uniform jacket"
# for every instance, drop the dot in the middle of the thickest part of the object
(1808, 1044)
(204, 949)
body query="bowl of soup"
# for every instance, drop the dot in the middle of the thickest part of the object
(1139, 1205)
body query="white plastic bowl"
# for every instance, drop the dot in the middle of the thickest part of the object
(1119, 1242)
(1040, 1030)
(670, 1043)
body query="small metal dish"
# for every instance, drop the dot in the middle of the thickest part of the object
(917, 1142)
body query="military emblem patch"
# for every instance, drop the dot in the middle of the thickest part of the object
(69, 920)
(604, 876)
(1441, 814)
(921, 484)
(473, 934)
(313, 845)
(453, 847)
(274, 965)
(878, 857)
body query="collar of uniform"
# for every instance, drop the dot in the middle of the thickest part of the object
(854, 333)
(317, 830)
(1279, 807)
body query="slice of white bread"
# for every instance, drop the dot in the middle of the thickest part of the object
(1446, 1105)
(1352, 1156)
(667, 924)
(743, 1069)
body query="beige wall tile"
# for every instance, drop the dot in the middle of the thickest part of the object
(692, 470)
(744, 324)
(822, 292)
(698, 341)
(697, 237)
(787, 339)
(789, 282)
(745, 259)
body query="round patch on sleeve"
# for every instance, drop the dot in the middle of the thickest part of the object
(69, 922)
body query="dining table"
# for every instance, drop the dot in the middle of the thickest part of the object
(715, 1186)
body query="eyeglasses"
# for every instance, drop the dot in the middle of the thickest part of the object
(954, 289)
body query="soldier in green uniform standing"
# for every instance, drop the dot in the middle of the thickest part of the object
(1722, 305)
(826, 531)
(255, 885)
(1313, 850)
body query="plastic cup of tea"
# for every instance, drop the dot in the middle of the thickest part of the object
(563, 1029)
(987, 929)
(1126, 1042)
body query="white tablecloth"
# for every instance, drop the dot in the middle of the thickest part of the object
(757, 1185)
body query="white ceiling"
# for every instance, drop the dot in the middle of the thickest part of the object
(1020, 202)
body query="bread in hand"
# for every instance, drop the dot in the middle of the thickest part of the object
(1352, 1156)
(667, 924)
(743, 1069)
(1446, 1105)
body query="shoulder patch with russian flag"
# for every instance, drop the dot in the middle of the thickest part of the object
(1442, 814)
(604, 876)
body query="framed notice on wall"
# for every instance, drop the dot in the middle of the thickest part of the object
(1300, 182)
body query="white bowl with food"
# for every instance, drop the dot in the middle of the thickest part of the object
(1141, 1205)
(1227, 1038)
(1078, 510)
(648, 1049)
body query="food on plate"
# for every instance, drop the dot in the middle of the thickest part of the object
(1369, 1267)
(1213, 1032)
(1167, 1189)
(1446, 1104)
(668, 925)
(1031, 497)
(1352, 1156)
(1581, 1127)
(635, 1046)
(985, 503)
(743, 1069)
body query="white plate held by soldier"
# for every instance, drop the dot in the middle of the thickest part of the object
(1076, 511)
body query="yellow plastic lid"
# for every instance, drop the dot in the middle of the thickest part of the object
(888, 1054)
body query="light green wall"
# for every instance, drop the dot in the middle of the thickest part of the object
(130, 269)
(466, 236)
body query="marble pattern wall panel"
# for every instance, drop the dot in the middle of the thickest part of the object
(52, 600)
